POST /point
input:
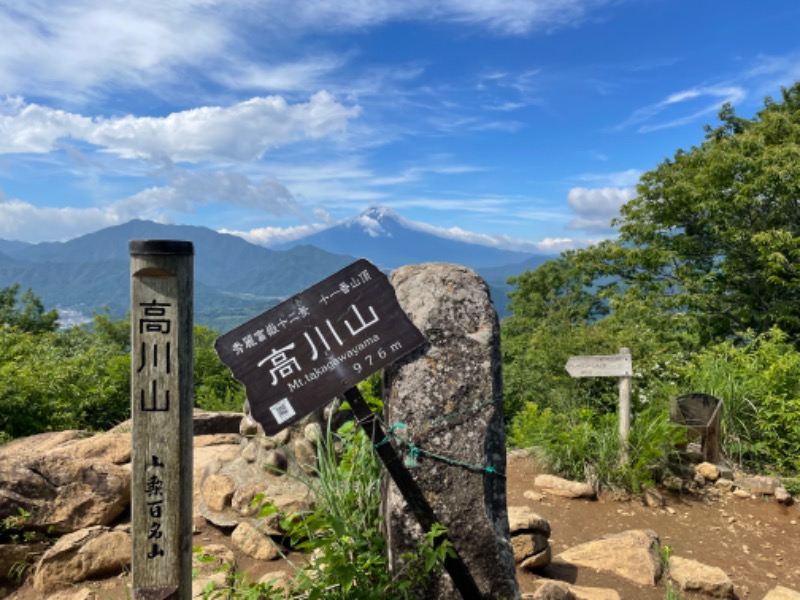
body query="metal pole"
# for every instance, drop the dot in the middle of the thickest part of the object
(161, 410)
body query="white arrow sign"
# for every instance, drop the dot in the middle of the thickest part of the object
(614, 365)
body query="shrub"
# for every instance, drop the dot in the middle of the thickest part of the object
(582, 444)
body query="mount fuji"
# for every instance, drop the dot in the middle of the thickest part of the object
(390, 241)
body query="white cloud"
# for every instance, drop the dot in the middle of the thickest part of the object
(649, 118)
(240, 132)
(187, 189)
(83, 48)
(272, 236)
(596, 207)
(23, 221)
(70, 49)
(507, 17)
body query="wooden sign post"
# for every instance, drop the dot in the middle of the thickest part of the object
(614, 365)
(161, 409)
(296, 357)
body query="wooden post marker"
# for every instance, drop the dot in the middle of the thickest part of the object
(614, 365)
(161, 409)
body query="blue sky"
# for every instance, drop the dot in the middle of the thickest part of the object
(520, 123)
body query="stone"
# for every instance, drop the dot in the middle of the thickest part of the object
(724, 484)
(692, 576)
(449, 395)
(558, 486)
(218, 491)
(63, 494)
(557, 589)
(548, 589)
(526, 545)
(783, 496)
(522, 519)
(652, 498)
(710, 472)
(248, 426)
(760, 485)
(278, 580)
(533, 495)
(243, 499)
(313, 432)
(305, 455)
(88, 553)
(782, 593)
(593, 593)
(215, 423)
(254, 542)
(537, 561)
(250, 451)
(18, 555)
(632, 555)
(103, 447)
(39, 444)
(276, 462)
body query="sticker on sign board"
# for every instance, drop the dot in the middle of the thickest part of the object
(297, 356)
(282, 411)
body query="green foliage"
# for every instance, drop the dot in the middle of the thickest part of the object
(79, 378)
(758, 379)
(57, 380)
(12, 528)
(584, 445)
(716, 229)
(26, 313)
(343, 532)
(214, 387)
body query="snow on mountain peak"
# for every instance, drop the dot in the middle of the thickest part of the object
(373, 220)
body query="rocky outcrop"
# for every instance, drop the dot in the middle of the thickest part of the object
(782, 593)
(692, 576)
(92, 552)
(62, 492)
(632, 555)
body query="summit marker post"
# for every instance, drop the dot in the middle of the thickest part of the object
(161, 410)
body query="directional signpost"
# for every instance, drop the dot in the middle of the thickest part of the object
(614, 365)
(296, 357)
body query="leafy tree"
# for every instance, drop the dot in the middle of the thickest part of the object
(715, 231)
(214, 386)
(26, 313)
(702, 285)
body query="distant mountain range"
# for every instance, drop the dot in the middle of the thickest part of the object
(234, 279)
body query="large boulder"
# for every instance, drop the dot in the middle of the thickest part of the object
(92, 552)
(693, 576)
(632, 555)
(61, 493)
(448, 396)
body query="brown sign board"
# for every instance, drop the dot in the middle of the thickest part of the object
(614, 365)
(294, 358)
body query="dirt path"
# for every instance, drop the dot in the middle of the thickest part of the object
(756, 542)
